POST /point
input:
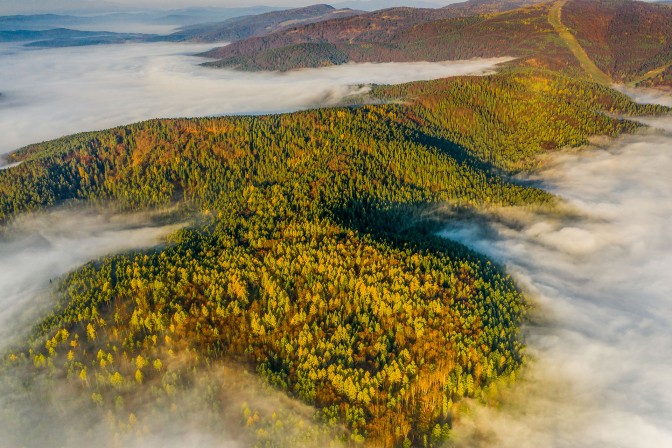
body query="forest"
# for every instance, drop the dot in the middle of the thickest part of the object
(403, 35)
(312, 258)
(625, 39)
(628, 40)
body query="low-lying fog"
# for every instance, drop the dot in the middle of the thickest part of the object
(49, 93)
(43, 411)
(601, 341)
(38, 248)
(647, 96)
(601, 286)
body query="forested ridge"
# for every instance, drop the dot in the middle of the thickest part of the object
(314, 258)
(402, 35)
(624, 38)
(628, 40)
(242, 27)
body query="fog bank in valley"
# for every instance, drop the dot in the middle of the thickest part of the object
(647, 96)
(599, 341)
(35, 249)
(49, 93)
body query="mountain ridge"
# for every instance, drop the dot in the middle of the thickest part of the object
(379, 325)
(311, 260)
(239, 28)
(461, 32)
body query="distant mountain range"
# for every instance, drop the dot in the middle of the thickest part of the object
(39, 29)
(375, 5)
(63, 37)
(311, 257)
(255, 25)
(464, 30)
(619, 40)
(176, 17)
(626, 41)
(63, 30)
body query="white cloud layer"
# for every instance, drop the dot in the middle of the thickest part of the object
(600, 339)
(38, 248)
(50, 93)
(647, 96)
(55, 92)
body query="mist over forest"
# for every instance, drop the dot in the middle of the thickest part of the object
(38, 248)
(599, 334)
(52, 92)
(465, 253)
(49, 93)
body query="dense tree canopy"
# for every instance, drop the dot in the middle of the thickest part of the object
(314, 257)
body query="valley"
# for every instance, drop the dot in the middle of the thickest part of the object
(415, 227)
(48, 93)
(598, 335)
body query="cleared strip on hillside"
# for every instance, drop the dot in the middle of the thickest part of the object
(593, 71)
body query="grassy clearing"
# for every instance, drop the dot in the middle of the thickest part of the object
(650, 74)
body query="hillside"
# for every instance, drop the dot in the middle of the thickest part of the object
(313, 259)
(400, 35)
(659, 78)
(476, 7)
(239, 28)
(628, 40)
(375, 27)
(63, 37)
